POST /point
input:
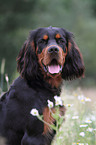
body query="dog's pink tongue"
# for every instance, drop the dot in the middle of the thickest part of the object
(54, 69)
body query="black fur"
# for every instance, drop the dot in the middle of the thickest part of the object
(31, 90)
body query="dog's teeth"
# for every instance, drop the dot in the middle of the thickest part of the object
(61, 68)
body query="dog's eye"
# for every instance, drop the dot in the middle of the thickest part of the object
(60, 40)
(42, 41)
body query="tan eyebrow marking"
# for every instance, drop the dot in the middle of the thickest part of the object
(45, 37)
(58, 36)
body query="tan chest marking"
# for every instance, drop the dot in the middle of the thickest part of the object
(47, 116)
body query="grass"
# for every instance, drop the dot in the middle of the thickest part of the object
(79, 127)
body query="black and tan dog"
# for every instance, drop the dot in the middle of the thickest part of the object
(47, 57)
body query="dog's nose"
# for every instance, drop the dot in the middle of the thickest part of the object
(53, 50)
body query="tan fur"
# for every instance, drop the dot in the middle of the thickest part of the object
(45, 58)
(47, 116)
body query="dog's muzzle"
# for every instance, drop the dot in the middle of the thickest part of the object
(53, 67)
(53, 50)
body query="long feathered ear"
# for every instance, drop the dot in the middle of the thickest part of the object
(27, 63)
(74, 65)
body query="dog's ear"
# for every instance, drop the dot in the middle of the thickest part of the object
(74, 65)
(27, 63)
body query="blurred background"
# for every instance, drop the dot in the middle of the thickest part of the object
(18, 17)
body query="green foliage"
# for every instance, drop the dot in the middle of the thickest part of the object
(55, 115)
(79, 127)
(18, 17)
(14, 20)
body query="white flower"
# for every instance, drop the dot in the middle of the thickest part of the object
(88, 121)
(50, 104)
(34, 112)
(82, 134)
(81, 97)
(58, 101)
(75, 117)
(90, 129)
(60, 137)
(87, 99)
(79, 143)
(69, 105)
(83, 125)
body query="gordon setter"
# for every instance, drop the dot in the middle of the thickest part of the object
(47, 57)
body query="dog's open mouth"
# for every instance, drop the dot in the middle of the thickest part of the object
(53, 67)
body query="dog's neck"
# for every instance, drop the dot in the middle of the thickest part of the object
(54, 81)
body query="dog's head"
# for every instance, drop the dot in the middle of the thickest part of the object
(52, 52)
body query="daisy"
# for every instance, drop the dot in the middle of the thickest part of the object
(50, 104)
(58, 101)
(82, 134)
(83, 125)
(90, 129)
(88, 121)
(75, 117)
(87, 99)
(81, 97)
(34, 112)
(69, 105)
